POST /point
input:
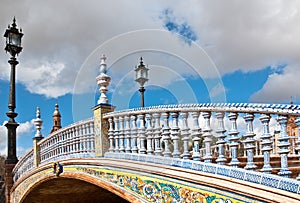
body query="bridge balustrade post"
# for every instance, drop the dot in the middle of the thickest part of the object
(185, 135)
(207, 136)
(141, 134)
(196, 133)
(266, 143)
(116, 134)
(233, 140)
(249, 142)
(111, 135)
(157, 134)
(127, 134)
(284, 149)
(221, 160)
(297, 121)
(149, 134)
(175, 135)
(121, 134)
(134, 148)
(100, 128)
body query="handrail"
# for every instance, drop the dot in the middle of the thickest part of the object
(280, 109)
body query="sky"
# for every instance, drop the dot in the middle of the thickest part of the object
(197, 51)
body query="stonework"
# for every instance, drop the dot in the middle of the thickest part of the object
(101, 127)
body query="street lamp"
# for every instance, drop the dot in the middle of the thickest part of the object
(13, 45)
(141, 76)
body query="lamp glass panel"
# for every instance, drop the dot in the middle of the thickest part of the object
(14, 39)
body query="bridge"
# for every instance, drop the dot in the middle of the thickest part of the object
(169, 153)
(165, 154)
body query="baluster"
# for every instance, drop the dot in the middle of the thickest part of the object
(87, 137)
(266, 143)
(80, 138)
(157, 135)
(175, 135)
(111, 135)
(121, 134)
(127, 134)
(134, 148)
(221, 138)
(149, 133)
(141, 134)
(85, 147)
(116, 134)
(207, 137)
(76, 139)
(196, 133)
(166, 135)
(91, 136)
(297, 121)
(72, 140)
(249, 142)
(233, 140)
(283, 147)
(185, 136)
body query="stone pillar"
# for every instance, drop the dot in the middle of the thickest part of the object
(101, 127)
(9, 180)
(37, 137)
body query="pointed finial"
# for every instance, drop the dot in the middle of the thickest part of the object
(103, 64)
(103, 58)
(14, 22)
(141, 61)
(291, 100)
(38, 123)
(38, 113)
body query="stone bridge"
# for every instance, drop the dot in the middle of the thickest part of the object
(175, 153)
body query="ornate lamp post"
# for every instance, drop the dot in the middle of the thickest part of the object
(13, 45)
(141, 76)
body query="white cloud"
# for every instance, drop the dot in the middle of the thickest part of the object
(24, 129)
(280, 86)
(237, 35)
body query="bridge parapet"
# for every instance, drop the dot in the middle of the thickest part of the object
(212, 138)
(73, 141)
(186, 131)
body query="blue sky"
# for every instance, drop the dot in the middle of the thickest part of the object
(197, 51)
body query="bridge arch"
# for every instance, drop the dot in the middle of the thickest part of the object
(145, 182)
(44, 184)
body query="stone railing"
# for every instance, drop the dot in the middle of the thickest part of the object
(74, 141)
(24, 165)
(187, 132)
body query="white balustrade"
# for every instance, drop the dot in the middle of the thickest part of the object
(177, 131)
(76, 140)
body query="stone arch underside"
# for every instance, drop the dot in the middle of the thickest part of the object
(68, 190)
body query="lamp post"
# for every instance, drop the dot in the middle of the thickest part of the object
(13, 45)
(141, 76)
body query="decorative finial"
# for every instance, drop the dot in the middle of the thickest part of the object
(103, 81)
(141, 61)
(38, 124)
(14, 23)
(291, 100)
(38, 113)
(103, 64)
